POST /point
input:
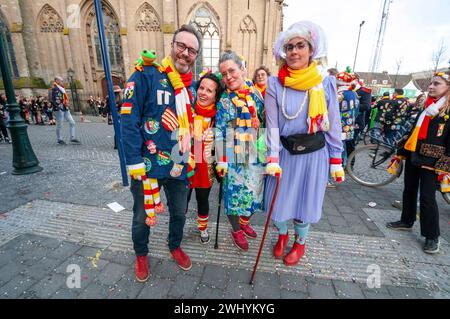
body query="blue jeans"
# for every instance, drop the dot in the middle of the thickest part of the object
(176, 193)
(60, 116)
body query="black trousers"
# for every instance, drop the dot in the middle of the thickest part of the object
(3, 127)
(426, 181)
(202, 196)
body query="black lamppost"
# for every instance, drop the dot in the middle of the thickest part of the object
(24, 159)
(357, 45)
(73, 89)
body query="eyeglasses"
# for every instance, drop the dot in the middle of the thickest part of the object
(299, 46)
(181, 47)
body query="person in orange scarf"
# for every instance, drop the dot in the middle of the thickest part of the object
(427, 162)
(260, 79)
(209, 90)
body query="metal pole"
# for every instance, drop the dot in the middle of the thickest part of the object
(24, 159)
(111, 95)
(357, 45)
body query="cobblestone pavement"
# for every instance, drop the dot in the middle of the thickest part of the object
(59, 217)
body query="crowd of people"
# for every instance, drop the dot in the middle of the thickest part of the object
(291, 132)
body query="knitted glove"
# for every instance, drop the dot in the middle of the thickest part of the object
(394, 164)
(137, 171)
(336, 170)
(444, 178)
(222, 167)
(273, 169)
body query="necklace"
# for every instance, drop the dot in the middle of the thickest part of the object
(299, 110)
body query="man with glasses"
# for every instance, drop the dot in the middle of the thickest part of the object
(156, 118)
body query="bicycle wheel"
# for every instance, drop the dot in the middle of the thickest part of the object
(367, 165)
(446, 197)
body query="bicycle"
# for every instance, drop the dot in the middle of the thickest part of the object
(367, 165)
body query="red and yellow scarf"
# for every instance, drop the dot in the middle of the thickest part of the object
(180, 83)
(421, 129)
(310, 80)
(261, 89)
(246, 110)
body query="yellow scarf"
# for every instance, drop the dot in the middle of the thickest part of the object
(309, 79)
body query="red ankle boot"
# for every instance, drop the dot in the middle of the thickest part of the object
(280, 247)
(295, 254)
(141, 268)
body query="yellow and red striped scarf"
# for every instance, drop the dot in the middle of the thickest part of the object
(182, 103)
(421, 129)
(310, 80)
(246, 109)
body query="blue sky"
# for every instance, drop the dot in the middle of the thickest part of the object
(414, 31)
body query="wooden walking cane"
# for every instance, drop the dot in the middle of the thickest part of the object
(216, 245)
(265, 228)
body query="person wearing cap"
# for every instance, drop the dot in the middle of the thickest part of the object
(303, 135)
(427, 164)
(239, 118)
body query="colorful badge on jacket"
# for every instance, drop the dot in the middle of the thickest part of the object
(151, 126)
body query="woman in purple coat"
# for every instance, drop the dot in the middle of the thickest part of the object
(303, 135)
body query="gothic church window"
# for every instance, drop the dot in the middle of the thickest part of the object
(147, 19)
(206, 24)
(50, 21)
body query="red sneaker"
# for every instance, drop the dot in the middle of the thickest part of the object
(181, 259)
(295, 254)
(248, 231)
(280, 247)
(141, 269)
(239, 240)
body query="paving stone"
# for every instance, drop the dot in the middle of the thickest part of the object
(206, 292)
(264, 292)
(374, 295)
(321, 291)
(238, 290)
(9, 271)
(119, 257)
(196, 270)
(319, 281)
(78, 260)
(289, 294)
(348, 290)
(127, 287)
(51, 243)
(267, 279)
(185, 287)
(423, 294)
(215, 276)
(156, 288)
(294, 283)
(95, 290)
(337, 221)
(87, 251)
(402, 292)
(7, 256)
(111, 274)
(45, 267)
(240, 275)
(167, 269)
(15, 287)
(66, 293)
(45, 288)
(33, 256)
(65, 250)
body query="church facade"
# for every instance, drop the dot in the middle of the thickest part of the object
(45, 38)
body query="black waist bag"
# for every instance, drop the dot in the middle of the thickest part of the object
(303, 143)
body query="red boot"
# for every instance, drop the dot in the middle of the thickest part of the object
(280, 247)
(295, 254)
(181, 259)
(239, 240)
(141, 269)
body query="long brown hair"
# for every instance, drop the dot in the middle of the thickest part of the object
(446, 77)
